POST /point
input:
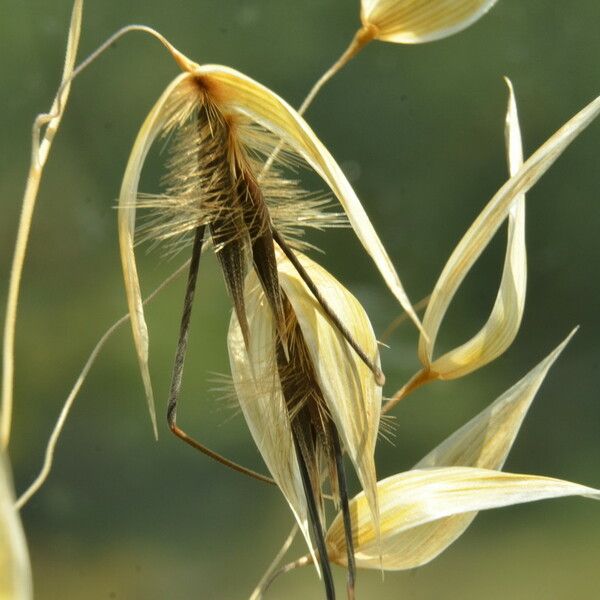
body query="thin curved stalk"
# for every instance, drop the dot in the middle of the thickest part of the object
(303, 561)
(64, 413)
(419, 379)
(361, 39)
(40, 151)
(39, 155)
(402, 318)
(259, 590)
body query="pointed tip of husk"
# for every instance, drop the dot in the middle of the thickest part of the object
(150, 401)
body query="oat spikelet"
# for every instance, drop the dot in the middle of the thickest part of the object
(301, 405)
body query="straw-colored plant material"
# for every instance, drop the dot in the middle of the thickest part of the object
(504, 321)
(232, 98)
(39, 155)
(503, 324)
(352, 398)
(483, 443)
(486, 440)
(419, 497)
(15, 571)
(489, 220)
(417, 21)
(405, 22)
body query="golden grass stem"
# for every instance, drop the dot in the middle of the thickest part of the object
(419, 379)
(64, 413)
(39, 155)
(259, 590)
(303, 561)
(361, 39)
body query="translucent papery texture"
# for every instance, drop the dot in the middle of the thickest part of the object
(155, 122)
(418, 497)
(233, 94)
(474, 242)
(417, 21)
(15, 571)
(348, 386)
(240, 93)
(484, 442)
(504, 321)
(259, 393)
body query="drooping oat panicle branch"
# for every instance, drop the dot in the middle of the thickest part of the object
(39, 154)
(303, 561)
(259, 590)
(68, 404)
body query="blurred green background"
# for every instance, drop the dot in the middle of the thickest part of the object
(419, 131)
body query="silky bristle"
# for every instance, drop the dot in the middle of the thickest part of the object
(210, 155)
(387, 428)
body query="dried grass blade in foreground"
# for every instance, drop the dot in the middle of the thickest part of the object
(39, 155)
(484, 443)
(418, 497)
(15, 570)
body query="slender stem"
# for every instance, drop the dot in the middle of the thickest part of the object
(40, 151)
(64, 413)
(421, 378)
(266, 578)
(39, 155)
(362, 37)
(296, 564)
